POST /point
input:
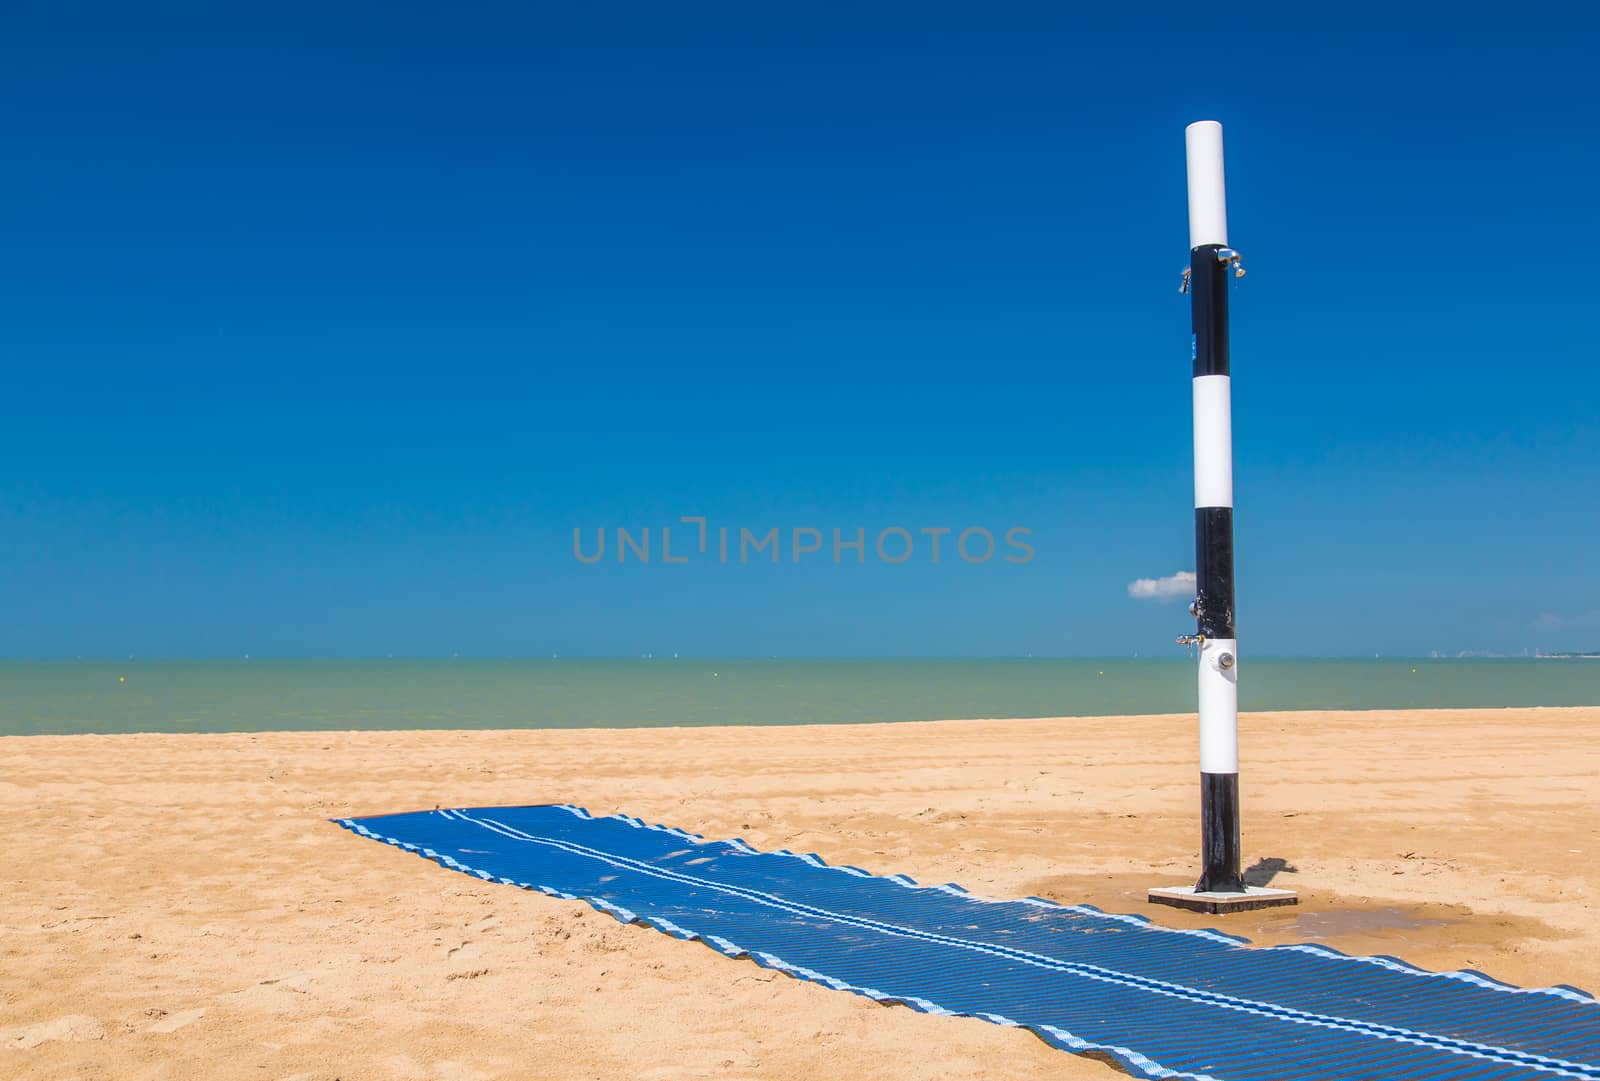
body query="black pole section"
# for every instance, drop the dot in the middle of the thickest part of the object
(1213, 525)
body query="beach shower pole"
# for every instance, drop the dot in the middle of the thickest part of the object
(1211, 264)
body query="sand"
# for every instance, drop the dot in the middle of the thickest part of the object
(178, 906)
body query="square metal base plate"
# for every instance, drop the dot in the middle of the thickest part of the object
(1253, 897)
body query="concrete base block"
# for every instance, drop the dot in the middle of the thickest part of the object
(1216, 903)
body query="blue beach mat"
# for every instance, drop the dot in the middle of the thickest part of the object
(1163, 1002)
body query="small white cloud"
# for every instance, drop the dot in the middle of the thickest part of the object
(1171, 588)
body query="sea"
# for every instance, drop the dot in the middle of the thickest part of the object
(45, 697)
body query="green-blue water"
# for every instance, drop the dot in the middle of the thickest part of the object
(218, 696)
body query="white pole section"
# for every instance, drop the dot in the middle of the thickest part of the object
(1208, 199)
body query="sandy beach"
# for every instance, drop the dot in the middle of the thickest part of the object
(179, 906)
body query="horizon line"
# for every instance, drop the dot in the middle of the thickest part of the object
(1460, 655)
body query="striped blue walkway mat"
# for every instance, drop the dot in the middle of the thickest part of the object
(1162, 1002)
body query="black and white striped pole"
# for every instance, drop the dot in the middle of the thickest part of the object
(1211, 265)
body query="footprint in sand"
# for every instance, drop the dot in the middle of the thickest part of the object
(74, 1026)
(172, 1022)
(465, 961)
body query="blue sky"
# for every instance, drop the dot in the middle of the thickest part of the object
(324, 331)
